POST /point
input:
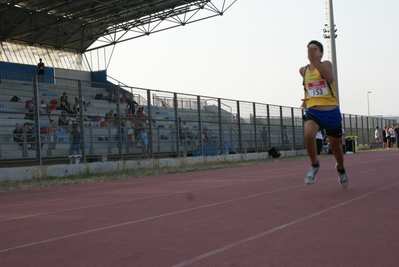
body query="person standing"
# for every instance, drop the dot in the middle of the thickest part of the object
(40, 69)
(320, 105)
(263, 135)
(144, 143)
(319, 141)
(377, 135)
(75, 141)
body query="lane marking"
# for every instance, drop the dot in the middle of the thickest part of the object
(275, 229)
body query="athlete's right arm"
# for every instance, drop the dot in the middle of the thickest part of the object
(301, 70)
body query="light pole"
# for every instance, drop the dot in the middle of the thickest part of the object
(330, 33)
(368, 104)
(368, 114)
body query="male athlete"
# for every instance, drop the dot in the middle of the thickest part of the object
(321, 111)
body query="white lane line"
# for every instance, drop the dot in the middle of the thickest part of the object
(144, 219)
(277, 228)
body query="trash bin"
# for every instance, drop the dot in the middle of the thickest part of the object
(74, 159)
(351, 143)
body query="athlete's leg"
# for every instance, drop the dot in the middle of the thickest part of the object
(336, 147)
(310, 130)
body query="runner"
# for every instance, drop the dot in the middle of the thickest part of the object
(321, 111)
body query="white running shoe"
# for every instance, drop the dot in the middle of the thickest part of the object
(342, 178)
(311, 175)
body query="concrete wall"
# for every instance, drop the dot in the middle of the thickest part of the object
(65, 170)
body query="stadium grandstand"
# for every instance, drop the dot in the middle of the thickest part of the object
(37, 119)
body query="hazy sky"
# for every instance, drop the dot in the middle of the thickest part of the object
(255, 50)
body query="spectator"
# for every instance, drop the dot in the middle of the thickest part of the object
(30, 137)
(63, 121)
(112, 96)
(74, 120)
(205, 136)
(263, 135)
(131, 104)
(123, 132)
(76, 106)
(144, 143)
(18, 134)
(65, 107)
(377, 135)
(45, 109)
(396, 128)
(142, 117)
(384, 137)
(393, 136)
(75, 138)
(30, 105)
(319, 141)
(286, 136)
(185, 131)
(53, 136)
(31, 108)
(110, 117)
(40, 69)
(64, 98)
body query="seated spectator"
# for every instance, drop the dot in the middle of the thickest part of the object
(185, 131)
(30, 105)
(30, 137)
(141, 115)
(129, 115)
(63, 121)
(74, 120)
(18, 134)
(109, 116)
(112, 96)
(44, 108)
(31, 109)
(76, 106)
(64, 98)
(65, 107)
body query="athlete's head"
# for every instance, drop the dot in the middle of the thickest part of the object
(319, 45)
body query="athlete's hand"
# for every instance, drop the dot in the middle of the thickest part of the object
(303, 106)
(312, 54)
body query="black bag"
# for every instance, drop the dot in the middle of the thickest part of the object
(274, 152)
(15, 99)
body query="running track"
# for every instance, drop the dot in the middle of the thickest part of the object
(262, 215)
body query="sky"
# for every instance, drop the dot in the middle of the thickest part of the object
(254, 51)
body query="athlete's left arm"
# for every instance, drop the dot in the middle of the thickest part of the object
(326, 70)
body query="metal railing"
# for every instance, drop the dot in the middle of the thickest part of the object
(234, 126)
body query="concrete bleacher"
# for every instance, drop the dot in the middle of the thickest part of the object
(164, 137)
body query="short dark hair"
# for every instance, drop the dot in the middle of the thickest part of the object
(319, 45)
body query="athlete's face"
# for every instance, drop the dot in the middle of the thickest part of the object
(314, 52)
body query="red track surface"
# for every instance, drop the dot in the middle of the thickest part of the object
(261, 215)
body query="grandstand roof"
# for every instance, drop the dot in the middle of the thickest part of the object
(77, 24)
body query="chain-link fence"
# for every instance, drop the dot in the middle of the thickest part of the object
(38, 115)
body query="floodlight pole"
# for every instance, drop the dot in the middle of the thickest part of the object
(333, 49)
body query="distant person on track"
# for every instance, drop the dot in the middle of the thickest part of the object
(377, 135)
(320, 105)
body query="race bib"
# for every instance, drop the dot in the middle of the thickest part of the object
(318, 88)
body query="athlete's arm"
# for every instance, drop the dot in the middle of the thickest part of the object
(325, 70)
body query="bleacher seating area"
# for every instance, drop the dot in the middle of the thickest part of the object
(98, 140)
